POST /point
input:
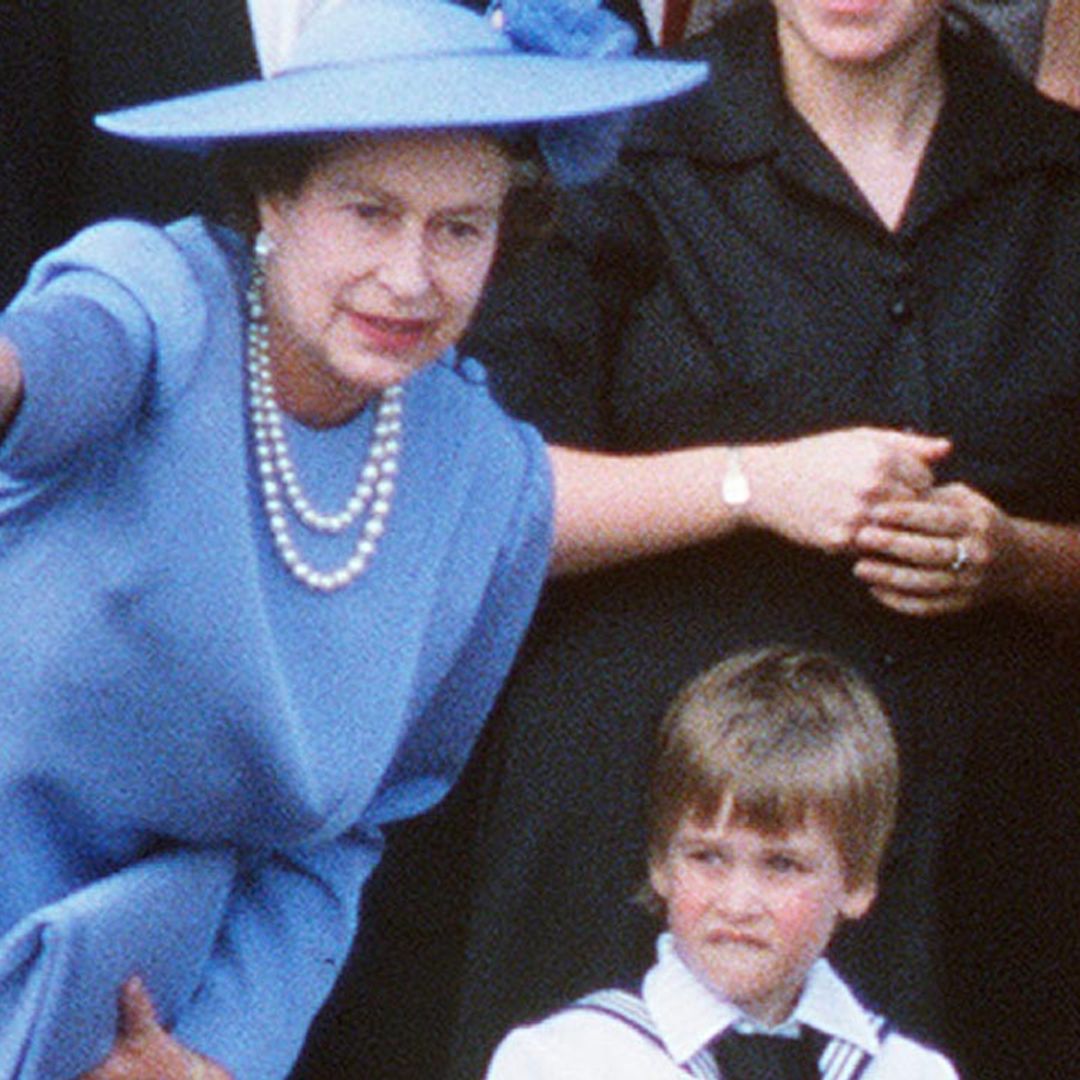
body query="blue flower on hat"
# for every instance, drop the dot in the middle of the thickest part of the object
(576, 151)
(565, 27)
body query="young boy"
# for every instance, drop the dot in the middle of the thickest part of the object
(772, 799)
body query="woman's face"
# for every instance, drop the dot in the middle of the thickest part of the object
(377, 264)
(854, 33)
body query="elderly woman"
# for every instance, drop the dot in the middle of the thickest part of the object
(867, 224)
(266, 545)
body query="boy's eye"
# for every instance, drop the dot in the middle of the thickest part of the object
(705, 856)
(783, 864)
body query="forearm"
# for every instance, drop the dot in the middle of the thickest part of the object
(1043, 569)
(812, 491)
(11, 385)
(1059, 68)
(612, 508)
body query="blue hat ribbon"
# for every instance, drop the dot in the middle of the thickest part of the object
(576, 151)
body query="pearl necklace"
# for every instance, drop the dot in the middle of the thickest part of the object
(282, 493)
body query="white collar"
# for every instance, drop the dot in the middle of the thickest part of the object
(689, 1015)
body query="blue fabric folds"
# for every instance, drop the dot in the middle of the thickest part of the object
(61, 966)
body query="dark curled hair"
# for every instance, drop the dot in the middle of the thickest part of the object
(245, 170)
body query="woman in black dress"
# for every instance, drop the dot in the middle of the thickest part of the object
(761, 275)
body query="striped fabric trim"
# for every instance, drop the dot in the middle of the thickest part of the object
(631, 1009)
(840, 1060)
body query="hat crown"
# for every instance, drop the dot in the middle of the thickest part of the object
(560, 68)
(360, 31)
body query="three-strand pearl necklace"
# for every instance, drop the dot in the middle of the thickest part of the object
(283, 496)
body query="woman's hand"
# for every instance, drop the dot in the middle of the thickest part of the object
(819, 491)
(144, 1050)
(946, 552)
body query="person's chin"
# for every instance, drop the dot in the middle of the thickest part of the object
(374, 371)
(745, 991)
(735, 967)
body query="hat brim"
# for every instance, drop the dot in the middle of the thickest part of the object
(469, 91)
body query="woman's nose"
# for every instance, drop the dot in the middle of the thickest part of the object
(404, 268)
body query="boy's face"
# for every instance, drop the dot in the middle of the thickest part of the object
(751, 911)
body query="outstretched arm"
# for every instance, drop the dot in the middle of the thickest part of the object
(1059, 67)
(816, 491)
(612, 508)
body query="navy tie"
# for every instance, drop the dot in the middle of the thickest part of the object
(765, 1057)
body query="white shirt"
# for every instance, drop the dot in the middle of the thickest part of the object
(585, 1044)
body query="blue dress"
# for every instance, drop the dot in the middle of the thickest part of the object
(198, 753)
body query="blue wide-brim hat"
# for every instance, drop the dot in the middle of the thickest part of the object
(386, 65)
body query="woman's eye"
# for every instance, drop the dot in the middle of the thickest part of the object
(462, 230)
(459, 236)
(372, 213)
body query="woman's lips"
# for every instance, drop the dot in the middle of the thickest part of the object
(390, 335)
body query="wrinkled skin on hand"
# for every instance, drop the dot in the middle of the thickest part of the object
(907, 552)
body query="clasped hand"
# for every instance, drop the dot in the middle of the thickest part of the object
(939, 554)
(921, 548)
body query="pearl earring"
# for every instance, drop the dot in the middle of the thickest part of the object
(264, 245)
